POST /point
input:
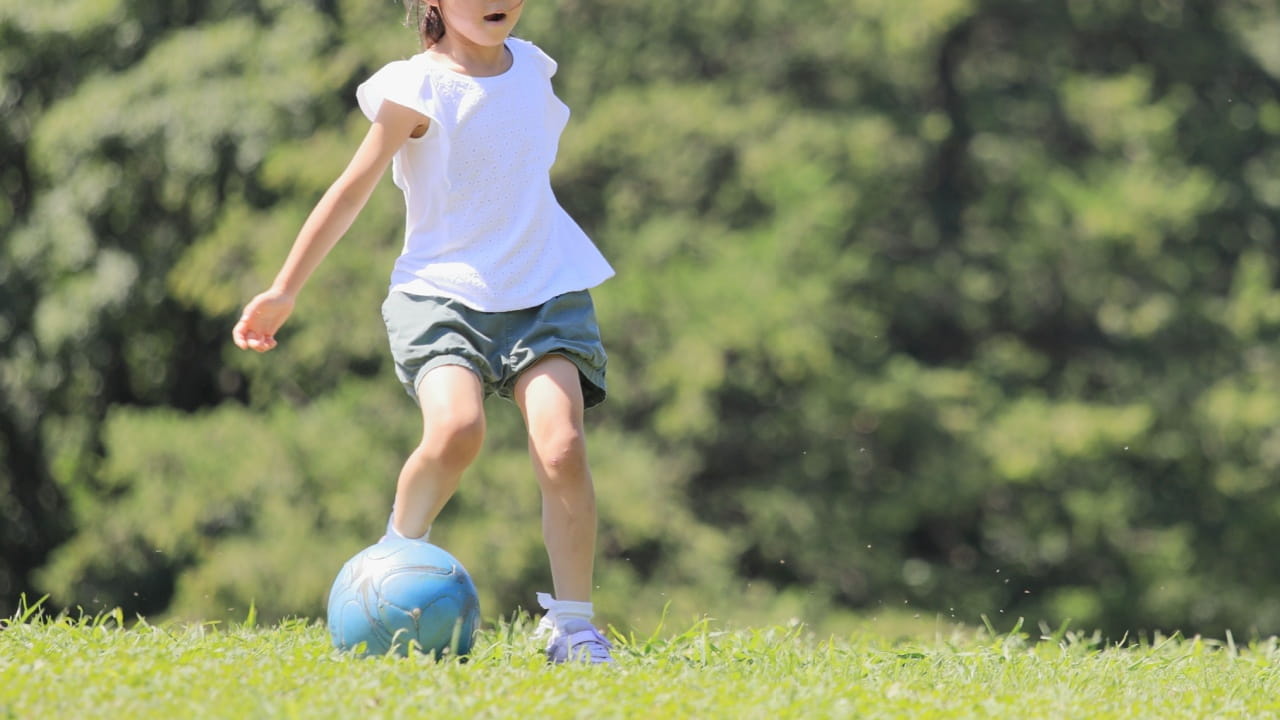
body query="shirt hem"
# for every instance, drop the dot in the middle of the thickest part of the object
(422, 288)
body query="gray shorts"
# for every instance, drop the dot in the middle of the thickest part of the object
(428, 332)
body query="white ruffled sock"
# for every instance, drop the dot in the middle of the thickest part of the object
(565, 617)
(393, 533)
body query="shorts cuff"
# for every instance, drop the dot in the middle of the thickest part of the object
(441, 361)
(590, 377)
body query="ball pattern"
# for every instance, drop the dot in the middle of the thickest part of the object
(399, 594)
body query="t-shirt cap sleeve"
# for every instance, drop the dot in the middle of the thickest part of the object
(401, 83)
(543, 61)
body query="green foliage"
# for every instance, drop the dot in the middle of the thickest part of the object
(960, 306)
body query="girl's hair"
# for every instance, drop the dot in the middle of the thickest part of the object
(426, 19)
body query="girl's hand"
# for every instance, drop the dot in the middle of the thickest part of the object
(261, 318)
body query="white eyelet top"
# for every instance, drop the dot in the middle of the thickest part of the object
(482, 224)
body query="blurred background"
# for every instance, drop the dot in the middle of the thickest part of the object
(936, 308)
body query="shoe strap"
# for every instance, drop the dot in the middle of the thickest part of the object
(597, 644)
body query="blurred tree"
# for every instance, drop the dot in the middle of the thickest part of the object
(963, 306)
(124, 134)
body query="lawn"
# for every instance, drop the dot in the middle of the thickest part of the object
(107, 667)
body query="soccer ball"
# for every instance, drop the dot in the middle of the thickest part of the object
(399, 594)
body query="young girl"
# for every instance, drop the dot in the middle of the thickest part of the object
(490, 292)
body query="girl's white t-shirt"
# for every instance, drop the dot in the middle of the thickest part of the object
(482, 224)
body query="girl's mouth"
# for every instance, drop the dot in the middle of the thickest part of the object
(495, 17)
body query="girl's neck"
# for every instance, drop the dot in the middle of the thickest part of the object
(471, 59)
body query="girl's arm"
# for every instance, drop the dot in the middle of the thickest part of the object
(330, 219)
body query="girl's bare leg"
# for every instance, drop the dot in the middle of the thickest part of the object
(452, 401)
(550, 397)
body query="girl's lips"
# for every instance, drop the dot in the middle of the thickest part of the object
(502, 14)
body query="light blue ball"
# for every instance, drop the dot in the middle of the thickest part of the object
(399, 594)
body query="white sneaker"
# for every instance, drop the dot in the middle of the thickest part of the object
(587, 646)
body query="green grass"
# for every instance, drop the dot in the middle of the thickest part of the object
(103, 667)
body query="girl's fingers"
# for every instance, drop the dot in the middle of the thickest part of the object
(249, 339)
(258, 323)
(261, 343)
(239, 337)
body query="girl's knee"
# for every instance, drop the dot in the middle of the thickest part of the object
(562, 451)
(454, 435)
(452, 404)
